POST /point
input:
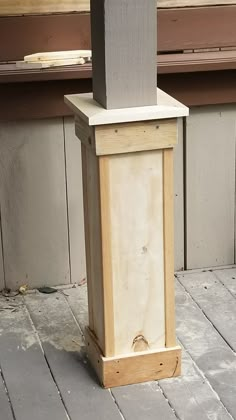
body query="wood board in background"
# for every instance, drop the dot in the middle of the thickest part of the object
(192, 3)
(74, 201)
(14, 7)
(33, 203)
(210, 186)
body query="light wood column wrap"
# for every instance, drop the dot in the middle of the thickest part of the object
(168, 202)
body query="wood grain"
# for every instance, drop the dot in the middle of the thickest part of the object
(74, 202)
(135, 137)
(136, 202)
(133, 368)
(106, 227)
(210, 179)
(33, 203)
(94, 261)
(179, 199)
(168, 191)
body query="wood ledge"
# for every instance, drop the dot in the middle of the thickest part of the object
(135, 367)
(166, 64)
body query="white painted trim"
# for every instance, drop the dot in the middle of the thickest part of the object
(94, 114)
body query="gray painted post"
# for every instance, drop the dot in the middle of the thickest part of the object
(124, 48)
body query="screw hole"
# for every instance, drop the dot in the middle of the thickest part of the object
(157, 127)
(161, 364)
(117, 372)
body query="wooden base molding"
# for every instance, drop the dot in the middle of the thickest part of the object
(135, 367)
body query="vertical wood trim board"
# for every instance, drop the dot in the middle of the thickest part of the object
(107, 256)
(210, 188)
(94, 243)
(33, 203)
(179, 200)
(75, 201)
(136, 197)
(168, 191)
(87, 236)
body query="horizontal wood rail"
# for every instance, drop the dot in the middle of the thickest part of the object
(203, 78)
(178, 30)
(45, 99)
(167, 64)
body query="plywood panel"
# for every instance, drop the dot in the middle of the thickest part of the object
(33, 202)
(75, 202)
(136, 197)
(179, 200)
(210, 180)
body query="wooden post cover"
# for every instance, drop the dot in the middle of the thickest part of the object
(124, 46)
(127, 157)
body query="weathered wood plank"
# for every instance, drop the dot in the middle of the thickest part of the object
(107, 263)
(6, 412)
(210, 294)
(92, 216)
(62, 343)
(33, 203)
(168, 221)
(191, 396)
(207, 348)
(31, 388)
(143, 401)
(228, 279)
(135, 137)
(75, 202)
(124, 45)
(78, 301)
(179, 199)
(210, 180)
